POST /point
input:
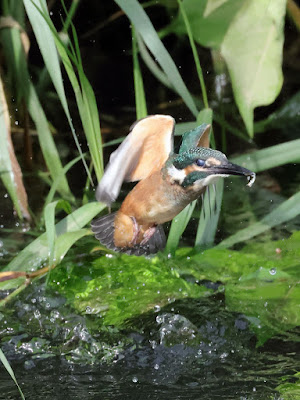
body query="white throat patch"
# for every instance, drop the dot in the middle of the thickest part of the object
(207, 181)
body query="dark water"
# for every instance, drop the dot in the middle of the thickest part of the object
(190, 349)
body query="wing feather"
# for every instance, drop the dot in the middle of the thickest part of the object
(144, 150)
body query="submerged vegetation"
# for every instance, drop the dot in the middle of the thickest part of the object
(212, 62)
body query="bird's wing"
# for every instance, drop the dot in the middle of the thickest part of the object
(144, 150)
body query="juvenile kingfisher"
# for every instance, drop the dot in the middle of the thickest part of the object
(168, 182)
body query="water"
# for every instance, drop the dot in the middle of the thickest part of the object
(190, 349)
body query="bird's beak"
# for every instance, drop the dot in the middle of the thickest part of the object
(229, 168)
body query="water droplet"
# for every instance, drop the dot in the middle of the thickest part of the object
(272, 271)
(156, 366)
(135, 379)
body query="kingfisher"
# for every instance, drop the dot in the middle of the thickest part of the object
(168, 182)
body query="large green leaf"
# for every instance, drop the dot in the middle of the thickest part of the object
(209, 20)
(144, 27)
(252, 48)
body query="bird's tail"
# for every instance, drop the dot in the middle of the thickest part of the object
(104, 229)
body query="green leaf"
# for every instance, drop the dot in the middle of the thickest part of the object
(286, 118)
(252, 48)
(16, 60)
(140, 98)
(144, 27)
(270, 157)
(48, 50)
(209, 217)
(209, 20)
(10, 170)
(284, 212)
(195, 53)
(151, 64)
(11, 372)
(179, 223)
(67, 231)
(49, 216)
(54, 185)
(212, 200)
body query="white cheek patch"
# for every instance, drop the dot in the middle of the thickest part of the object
(176, 175)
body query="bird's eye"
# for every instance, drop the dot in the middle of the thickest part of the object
(200, 162)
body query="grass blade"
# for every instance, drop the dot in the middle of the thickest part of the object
(209, 216)
(140, 98)
(10, 170)
(16, 61)
(284, 212)
(144, 27)
(271, 157)
(49, 216)
(10, 371)
(151, 64)
(195, 53)
(212, 199)
(37, 252)
(178, 226)
(54, 185)
(48, 50)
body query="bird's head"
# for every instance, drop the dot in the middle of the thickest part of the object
(198, 167)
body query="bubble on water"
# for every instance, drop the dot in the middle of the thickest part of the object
(135, 379)
(156, 366)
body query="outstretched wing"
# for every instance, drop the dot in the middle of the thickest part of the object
(144, 150)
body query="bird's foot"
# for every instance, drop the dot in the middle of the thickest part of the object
(136, 231)
(147, 234)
